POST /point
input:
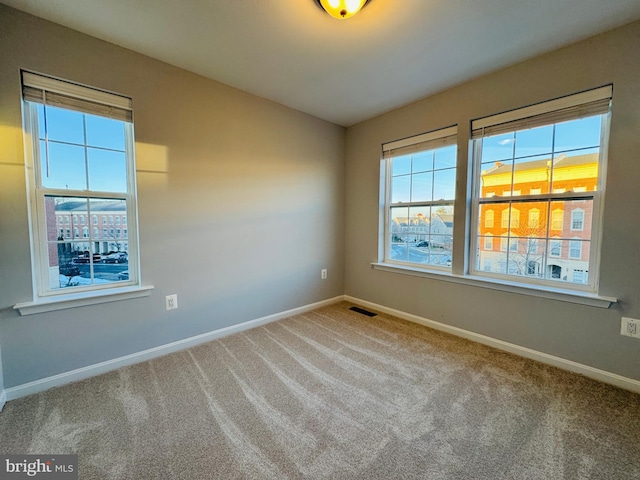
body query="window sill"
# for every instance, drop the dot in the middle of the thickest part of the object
(563, 295)
(81, 299)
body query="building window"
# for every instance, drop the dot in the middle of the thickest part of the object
(81, 159)
(577, 220)
(513, 243)
(95, 219)
(117, 220)
(489, 218)
(534, 218)
(557, 219)
(545, 149)
(419, 179)
(575, 249)
(488, 242)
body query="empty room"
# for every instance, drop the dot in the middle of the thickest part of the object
(324, 239)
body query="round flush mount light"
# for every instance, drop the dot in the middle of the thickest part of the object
(342, 9)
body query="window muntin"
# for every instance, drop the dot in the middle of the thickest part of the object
(560, 162)
(419, 194)
(83, 166)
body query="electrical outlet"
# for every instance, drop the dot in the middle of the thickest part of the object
(630, 327)
(323, 274)
(171, 301)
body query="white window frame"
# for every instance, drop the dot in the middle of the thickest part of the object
(41, 89)
(444, 137)
(589, 103)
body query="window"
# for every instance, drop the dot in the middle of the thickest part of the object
(577, 220)
(550, 150)
(534, 218)
(488, 219)
(513, 243)
(557, 219)
(419, 179)
(488, 242)
(575, 249)
(81, 158)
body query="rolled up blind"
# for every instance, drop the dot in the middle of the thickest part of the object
(422, 142)
(584, 104)
(59, 93)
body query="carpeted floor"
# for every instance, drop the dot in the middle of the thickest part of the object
(334, 394)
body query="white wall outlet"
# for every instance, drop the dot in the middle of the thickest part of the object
(630, 327)
(171, 301)
(323, 274)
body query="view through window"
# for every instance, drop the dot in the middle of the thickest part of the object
(544, 179)
(421, 174)
(83, 184)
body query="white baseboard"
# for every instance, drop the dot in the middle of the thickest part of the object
(103, 367)
(3, 399)
(587, 371)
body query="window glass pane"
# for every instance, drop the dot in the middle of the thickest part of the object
(108, 242)
(401, 165)
(577, 171)
(64, 125)
(422, 161)
(401, 189)
(444, 184)
(534, 141)
(419, 222)
(422, 187)
(496, 179)
(65, 168)
(105, 132)
(107, 170)
(581, 133)
(445, 157)
(493, 261)
(498, 147)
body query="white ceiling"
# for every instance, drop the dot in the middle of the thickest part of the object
(392, 53)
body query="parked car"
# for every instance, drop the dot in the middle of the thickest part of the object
(124, 275)
(423, 244)
(118, 257)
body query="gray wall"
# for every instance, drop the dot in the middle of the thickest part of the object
(240, 205)
(583, 334)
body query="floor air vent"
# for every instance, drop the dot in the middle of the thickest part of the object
(363, 311)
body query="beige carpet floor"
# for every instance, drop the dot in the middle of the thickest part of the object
(333, 394)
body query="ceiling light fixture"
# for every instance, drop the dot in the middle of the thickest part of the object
(342, 9)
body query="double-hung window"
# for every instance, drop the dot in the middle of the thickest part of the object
(79, 144)
(554, 153)
(419, 179)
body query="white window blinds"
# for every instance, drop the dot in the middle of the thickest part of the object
(418, 143)
(584, 104)
(58, 93)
